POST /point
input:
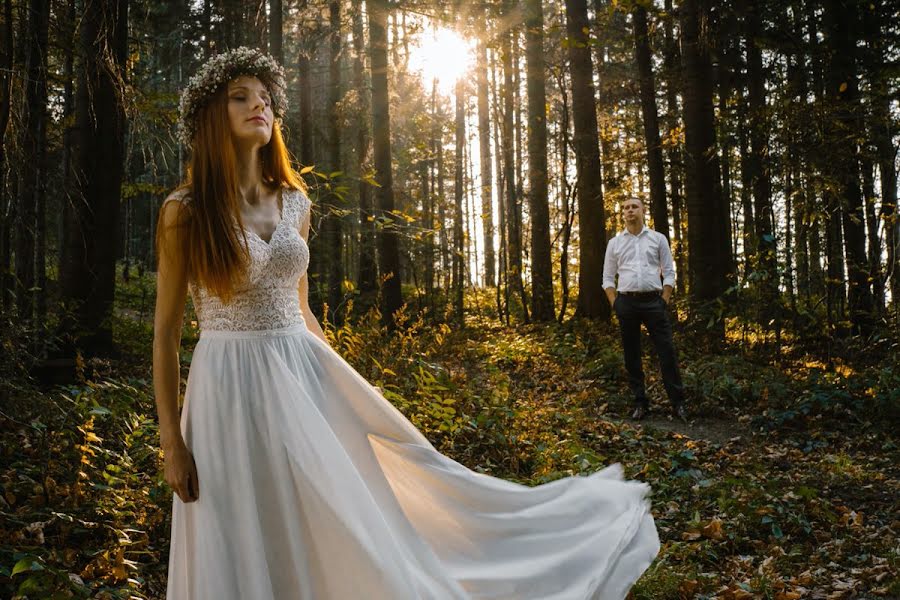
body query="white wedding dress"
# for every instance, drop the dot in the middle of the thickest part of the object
(313, 486)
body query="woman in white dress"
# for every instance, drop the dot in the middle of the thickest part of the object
(293, 477)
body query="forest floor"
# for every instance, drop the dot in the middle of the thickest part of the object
(784, 484)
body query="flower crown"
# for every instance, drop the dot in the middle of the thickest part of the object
(220, 69)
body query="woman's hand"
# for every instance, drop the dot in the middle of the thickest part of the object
(181, 472)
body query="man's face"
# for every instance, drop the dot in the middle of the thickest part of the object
(633, 211)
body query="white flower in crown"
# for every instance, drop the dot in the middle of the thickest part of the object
(223, 68)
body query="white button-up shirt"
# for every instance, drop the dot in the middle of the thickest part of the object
(643, 262)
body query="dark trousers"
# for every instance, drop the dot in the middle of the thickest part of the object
(651, 311)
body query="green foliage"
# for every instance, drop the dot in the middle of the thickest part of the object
(795, 494)
(92, 530)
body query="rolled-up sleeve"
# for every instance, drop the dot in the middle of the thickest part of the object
(666, 264)
(610, 265)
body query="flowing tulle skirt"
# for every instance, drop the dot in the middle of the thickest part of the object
(313, 486)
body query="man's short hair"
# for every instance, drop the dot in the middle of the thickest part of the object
(627, 198)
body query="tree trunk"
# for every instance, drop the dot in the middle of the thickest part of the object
(708, 235)
(427, 230)
(458, 283)
(32, 172)
(885, 152)
(333, 226)
(726, 72)
(592, 301)
(565, 194)
(471, 239)
(368, 270)
(514, 218)
(70, 48)
(606, 105)
(87, 279)
(6, 198)
(672, 66)
(542, 308)
(261, 24)
(276, 30)
(442, 213)
(206, 20)
(658, 208)
(818, 219)
(843, 91)
(484, 141)
(887, 156)
(388, 247)
(873, 240)
(502, 184)
(757, 160)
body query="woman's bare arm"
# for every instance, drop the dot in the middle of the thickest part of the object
(303, 289)
(171, 291)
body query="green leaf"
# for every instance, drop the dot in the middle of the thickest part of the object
(27, 564)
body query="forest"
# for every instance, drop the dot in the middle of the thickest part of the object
(466, 162)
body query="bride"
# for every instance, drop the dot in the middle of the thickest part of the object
(293, 477)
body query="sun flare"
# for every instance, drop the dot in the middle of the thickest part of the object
(442, 55)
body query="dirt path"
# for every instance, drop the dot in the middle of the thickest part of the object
(712, 429)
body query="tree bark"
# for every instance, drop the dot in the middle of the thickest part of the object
(6, 198)
(68, 110)
(887, 156)
(833, 288)
(591, 301)
(708, 235)
(672, 64)
(514, 218)
(444, 240)
(368, 270)
(503, 272)
(427, 229)
(388, 246)
(607, 102)
(33, 146)
(87, 279)
(877, 22)
(757, 160)
(873, 240)
(276, 27)
(484, 141)
(458, 283)
(658, 208)
(842, 88)
(565, 194)
(542, 308)
(333, 225)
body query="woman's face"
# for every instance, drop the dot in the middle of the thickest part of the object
(250, 111)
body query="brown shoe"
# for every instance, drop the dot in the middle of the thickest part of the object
(640, 412)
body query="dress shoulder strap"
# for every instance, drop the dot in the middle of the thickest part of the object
(299, 204)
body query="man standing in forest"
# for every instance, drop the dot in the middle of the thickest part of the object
(643, 262)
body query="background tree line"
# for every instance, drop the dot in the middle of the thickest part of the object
(762, 135)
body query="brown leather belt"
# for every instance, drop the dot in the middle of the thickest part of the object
(654, 294)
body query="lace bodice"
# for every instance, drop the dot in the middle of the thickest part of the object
(268, 299)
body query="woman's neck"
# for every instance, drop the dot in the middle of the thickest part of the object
(249, 171)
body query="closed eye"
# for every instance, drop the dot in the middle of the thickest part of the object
(266, 99)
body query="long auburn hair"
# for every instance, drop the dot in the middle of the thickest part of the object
(215, 250)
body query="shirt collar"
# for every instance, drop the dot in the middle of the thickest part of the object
(645, 229)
